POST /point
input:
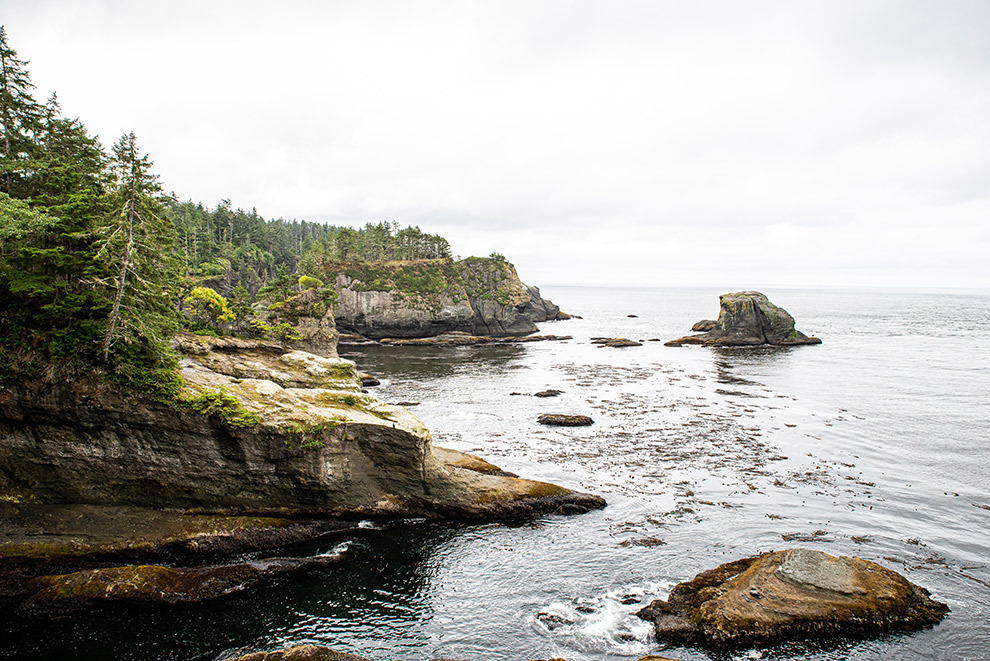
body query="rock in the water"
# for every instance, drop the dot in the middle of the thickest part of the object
(615, 342)
(747, 319)
(798, 593)
(302, 653)
(704, 326)
(551, 392)
(562, 420)
(156, 584)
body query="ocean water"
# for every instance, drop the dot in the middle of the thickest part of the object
(874, 444)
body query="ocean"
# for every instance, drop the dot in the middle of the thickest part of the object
(873, 444)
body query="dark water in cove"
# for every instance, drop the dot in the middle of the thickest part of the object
(872, 444)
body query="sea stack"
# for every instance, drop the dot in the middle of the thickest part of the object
(747, 319)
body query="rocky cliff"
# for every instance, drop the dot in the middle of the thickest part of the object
(258, 430)
(424, 298)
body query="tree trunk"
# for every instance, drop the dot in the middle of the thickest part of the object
(115, 315)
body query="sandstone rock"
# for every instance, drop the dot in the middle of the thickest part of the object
(797, 593)
(704, 325)
(281, 433)
(562, 420)
(748, 319)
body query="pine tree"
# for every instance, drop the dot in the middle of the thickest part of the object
(138, 246)
(19, 117)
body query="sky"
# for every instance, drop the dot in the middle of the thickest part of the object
(608, 142)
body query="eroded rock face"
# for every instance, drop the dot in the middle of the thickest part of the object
(798, 593)
(747, 318)
(426, 298)
(277, 432)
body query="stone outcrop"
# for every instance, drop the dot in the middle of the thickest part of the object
(747, 319)
(797, 593)
(425, 298)
(260, 430)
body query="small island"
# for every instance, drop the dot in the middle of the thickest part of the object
(746, 319)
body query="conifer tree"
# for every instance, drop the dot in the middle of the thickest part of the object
(19, 117)
(137, 245)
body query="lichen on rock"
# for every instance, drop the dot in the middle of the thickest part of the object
(797, 593)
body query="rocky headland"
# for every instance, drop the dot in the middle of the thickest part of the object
(797, 593)
(746, 319)
(265, 447)
(478, 296)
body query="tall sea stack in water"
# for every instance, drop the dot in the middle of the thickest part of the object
(747, 319)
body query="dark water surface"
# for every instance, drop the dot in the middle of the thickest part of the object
(873, 444)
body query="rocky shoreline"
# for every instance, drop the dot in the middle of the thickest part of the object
(107, 498)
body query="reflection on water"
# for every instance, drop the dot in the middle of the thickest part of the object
(872, 444)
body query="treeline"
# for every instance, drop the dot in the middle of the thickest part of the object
(375, 242)
(238, 245)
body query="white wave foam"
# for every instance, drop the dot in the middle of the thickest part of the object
(603, 623)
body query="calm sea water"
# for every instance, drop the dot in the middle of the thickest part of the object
(873, 444)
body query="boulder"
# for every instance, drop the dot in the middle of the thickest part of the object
(797, 593)
(748, 318)
(703, 326)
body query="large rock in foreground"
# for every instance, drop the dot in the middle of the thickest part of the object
(745, 319)
(798, 593)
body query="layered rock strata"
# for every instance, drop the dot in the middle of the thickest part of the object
(263, 431)
(797, 593)
(747, 318)
(425, 298)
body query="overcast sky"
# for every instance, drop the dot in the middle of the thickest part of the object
(604, 142)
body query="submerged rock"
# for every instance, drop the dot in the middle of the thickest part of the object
(562, 420)
(747, 319)
(798, 593)
(551, 392)
(615, 342)
(302, 653)
(156, 584)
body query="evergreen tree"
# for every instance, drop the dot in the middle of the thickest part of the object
(19, 118)
(137, 247)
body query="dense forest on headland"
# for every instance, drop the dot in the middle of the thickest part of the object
(99, 267)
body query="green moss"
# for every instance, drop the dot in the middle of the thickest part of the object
(221, 404)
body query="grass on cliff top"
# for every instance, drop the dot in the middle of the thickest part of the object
(428, 276)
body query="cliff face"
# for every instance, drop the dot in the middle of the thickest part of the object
(263, 431)
(425, 298)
